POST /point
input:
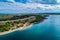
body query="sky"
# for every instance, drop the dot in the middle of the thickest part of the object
(29, 6)
(58, 1)
(32, 1)
(22, 1)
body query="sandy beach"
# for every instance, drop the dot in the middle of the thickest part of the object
(21, 28)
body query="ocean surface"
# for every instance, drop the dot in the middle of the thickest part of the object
(49, 29)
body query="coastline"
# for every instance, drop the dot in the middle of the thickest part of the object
(21, 28)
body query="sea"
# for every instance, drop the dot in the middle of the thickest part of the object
(49, 29)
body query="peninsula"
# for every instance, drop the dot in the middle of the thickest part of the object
(10, 23)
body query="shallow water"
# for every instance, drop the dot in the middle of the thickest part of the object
(49, 29)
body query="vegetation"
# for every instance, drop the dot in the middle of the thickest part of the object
(16, 22)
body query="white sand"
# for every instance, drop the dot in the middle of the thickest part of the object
(21, 28)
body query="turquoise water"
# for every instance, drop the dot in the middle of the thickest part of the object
(49, 29)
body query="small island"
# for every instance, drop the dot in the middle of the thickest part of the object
(10, 23)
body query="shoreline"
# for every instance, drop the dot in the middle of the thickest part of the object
(21, 28)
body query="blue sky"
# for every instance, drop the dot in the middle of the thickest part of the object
(37, 1)
(22, 1)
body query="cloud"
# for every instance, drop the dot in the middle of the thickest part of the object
(58, 1)
(28, 8)
(42, 1)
